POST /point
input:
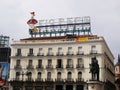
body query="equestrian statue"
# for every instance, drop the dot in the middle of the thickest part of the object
(94, 69)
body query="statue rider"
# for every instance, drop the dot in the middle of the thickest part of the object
(94, 69)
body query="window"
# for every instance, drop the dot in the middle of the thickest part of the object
(49, 50)
(18, 51)
(49, 75)
(60, 50)
(39, 75)
(69, 63)
(40, 51)
(93, 49)
(80, 50)
(79, 75)
(30, 63)
(18, 62)
(17, 75)
(59, 63)
(80, 61)
(31, 51)
(49, 62)
(39, 63)
(29, 74)
(69, 49)
(69, 76)
(59, 75)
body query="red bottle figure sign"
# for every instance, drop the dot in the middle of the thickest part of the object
(32, 21)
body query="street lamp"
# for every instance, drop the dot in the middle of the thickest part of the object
(23, 73)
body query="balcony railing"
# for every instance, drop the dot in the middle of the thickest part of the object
(69, 67)
(49, 67)
(70, 53)
(80, 66)
(69, 80)
(93, 52)
(18, 54)
(80, 53)
(49, 80)
(17, 67)
(39, 79)
(40, 54)
(30, 54)
(30, 67)
(29, 79)
(39, 67)
(79, 80)
(50, 54)
(59, 67)
(59, 54)
(15, 79)
(59, 80)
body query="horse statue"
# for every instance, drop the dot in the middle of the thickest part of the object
(94, 69)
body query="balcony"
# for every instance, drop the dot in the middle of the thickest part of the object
(30, 67)
(93, 52)
(17, 67)
(39, 67)
(49, 67)
(70, 53)
(69, 80)
(48, 80)
(30, 54)
(79, 80)
(59, 67)
(59, 54)
(17, 79)
(69, 67)
(18, 54)
(80, 53)
(50, 54)
(29, 80)
(59, 80)
(38, 80)
(80, 66)
(40, 54)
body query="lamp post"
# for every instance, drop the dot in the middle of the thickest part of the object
(23, 73)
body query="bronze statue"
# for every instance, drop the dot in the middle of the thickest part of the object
(94, 69)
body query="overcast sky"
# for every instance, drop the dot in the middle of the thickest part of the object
(105, 17)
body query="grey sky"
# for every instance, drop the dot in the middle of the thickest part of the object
(104, 16)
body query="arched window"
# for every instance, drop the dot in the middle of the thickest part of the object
(79, 75)
(39, 75)
(59, 75)
(49, 75)
(69, 76)
(29, 74)
(17, 75)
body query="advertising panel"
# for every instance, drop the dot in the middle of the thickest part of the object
(80, 39)
(4, 72)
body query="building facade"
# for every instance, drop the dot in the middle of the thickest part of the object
(4, 61)
(117, 73)
(61, 63)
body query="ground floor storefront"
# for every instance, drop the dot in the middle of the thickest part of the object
(50, 85)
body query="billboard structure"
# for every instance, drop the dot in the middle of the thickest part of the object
(59, 27)
(4, 73)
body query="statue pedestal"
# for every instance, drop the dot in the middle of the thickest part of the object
(95, 85)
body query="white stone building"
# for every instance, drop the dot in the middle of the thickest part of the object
(60, 63)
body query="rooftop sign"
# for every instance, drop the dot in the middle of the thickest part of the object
(59, 27)
(65, 21)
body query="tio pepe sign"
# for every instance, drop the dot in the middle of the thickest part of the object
(85, 19)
